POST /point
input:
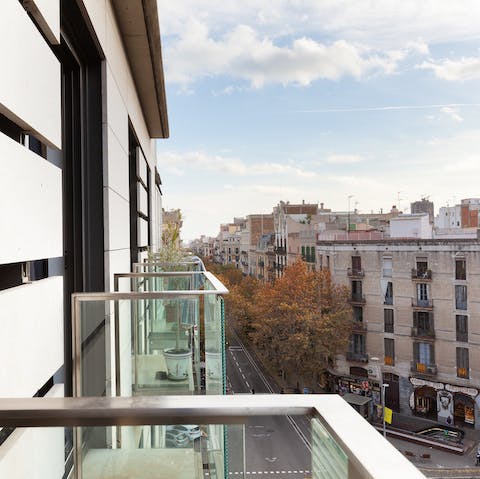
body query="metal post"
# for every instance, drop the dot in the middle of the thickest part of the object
(384, 386)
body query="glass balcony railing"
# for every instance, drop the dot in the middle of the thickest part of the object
(141, 437)
(164, 337)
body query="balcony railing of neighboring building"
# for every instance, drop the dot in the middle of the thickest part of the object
(357, 299)
(342, 444)
(422, 368)
(358, 326)
(355, 273)
(422, 303)
(358, 357)
(422, 274)
(423, 333)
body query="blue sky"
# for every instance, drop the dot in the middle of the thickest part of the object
(318, 100)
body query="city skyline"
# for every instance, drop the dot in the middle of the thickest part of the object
(316, 101)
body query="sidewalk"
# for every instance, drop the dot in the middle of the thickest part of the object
(434, 461)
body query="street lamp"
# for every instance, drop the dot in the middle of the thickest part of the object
(383, 386)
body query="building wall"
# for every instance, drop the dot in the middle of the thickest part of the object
(31, 314)
(33, 305)
(440, 257)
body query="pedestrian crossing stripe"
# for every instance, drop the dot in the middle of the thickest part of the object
(236, 473)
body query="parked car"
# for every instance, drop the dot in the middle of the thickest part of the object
(191, 430)
(175, 438)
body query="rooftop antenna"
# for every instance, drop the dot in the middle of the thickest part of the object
(399, 199)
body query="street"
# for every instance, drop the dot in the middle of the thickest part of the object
(274, 445)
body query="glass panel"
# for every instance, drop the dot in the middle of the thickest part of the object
(151, 346)
(328, 458)
(215, 371)
(181, 451)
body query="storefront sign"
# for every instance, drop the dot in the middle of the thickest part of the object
(459, 389)
(422, 382)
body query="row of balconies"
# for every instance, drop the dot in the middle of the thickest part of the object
(424, 304)
(417, 274)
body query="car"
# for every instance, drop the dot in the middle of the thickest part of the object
(191, 430)
(175, 438)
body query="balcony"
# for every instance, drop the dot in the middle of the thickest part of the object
(357, 299)
(424, 304)
(422, 333)
(357, 357)
(355, 273)
(280, 250)
(422, 368)
(343, 444)
(421, 274)
(359, 326)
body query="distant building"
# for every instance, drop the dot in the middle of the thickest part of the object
(414, 306)
(423, 206)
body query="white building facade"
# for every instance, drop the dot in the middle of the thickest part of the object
(81, 101)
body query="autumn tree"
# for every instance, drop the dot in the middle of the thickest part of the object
(301, 321)
(239, 303)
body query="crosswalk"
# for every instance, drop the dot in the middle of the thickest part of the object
(278, 473)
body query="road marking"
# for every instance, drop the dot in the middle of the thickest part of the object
(306, 471)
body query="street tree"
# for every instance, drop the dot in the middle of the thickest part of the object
(301, 321)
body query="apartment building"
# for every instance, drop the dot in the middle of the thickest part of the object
(81, 101)
(415, 304)
(290, 219)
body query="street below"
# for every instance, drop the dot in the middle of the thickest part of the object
(273, 445)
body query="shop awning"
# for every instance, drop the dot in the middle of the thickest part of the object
(356, 399)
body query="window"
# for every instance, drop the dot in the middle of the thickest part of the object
(460, 297)
(422, 292)
(357, 314)
(356, 264)
(462, 363)
(388, 320)
(356, 290)
(387, 267)
(422, 267)
(389, 345)
(357, 344)
(460, 269)
(389, 294)
(462, 327)
(423, 321)
(423, 355)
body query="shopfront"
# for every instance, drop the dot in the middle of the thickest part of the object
(463, 409)
(426, 402)
(445, 403)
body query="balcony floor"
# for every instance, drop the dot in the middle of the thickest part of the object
(142, 464)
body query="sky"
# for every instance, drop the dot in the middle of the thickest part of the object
(318, 100)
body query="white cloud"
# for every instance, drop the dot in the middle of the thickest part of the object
(466, 68)
(344, 159)
(243, 53)
(386, 23)
(178, 163)
(452, 113)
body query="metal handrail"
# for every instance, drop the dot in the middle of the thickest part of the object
(370, 456)
(219, 287)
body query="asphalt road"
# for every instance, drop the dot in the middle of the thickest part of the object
(276, 446)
